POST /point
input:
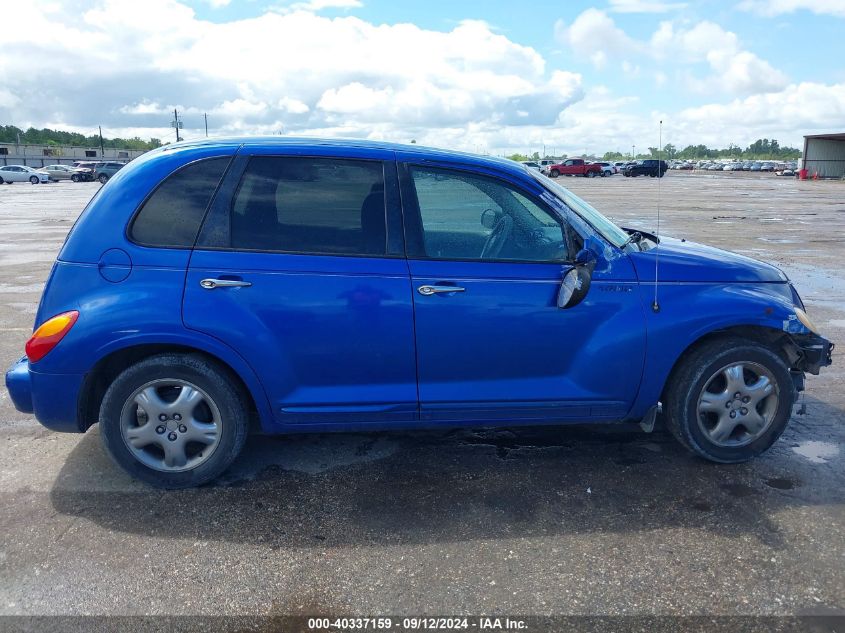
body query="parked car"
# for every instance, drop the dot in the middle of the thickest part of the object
(647, 167)
(531, 164)
(83, 171)
(22, 173)
(226, 283)
(104, 171)
(58, 172)
(574, 167)
(607, 169)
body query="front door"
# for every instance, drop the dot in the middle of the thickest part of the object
(486, 258)
(296, 270)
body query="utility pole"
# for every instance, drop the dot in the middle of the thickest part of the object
(176, 124)
(205, 116)
(633, 151)
(102, 148)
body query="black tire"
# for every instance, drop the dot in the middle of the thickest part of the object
(554, 173)
(1, 181)
(103, 178)
(34, 180)
(75, 178)
(691, 377)
(209, 377)
(603, 173)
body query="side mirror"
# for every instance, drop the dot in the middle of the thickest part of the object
(576, 282)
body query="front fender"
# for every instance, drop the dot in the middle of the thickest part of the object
(690, 311)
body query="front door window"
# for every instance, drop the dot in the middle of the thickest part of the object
(472, 217)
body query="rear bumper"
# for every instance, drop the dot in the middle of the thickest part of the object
(52, 398)
(19, 386)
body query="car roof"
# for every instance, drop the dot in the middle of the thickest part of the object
(431, 153)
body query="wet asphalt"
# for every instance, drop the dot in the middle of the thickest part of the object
(554, 520)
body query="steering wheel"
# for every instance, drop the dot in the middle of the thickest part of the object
(497, 238)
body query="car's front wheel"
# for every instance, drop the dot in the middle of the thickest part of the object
(103, 178)
(174, 420)
(34, 180)
(730, 400)
(75, 178)
(554, 173)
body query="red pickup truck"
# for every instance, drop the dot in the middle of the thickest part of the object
(574, 167)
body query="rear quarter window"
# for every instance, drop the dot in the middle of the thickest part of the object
(172, 215)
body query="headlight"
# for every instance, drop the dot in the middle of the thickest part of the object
(805, 320)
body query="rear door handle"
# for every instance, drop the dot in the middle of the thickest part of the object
(427, 291)
(211, 284)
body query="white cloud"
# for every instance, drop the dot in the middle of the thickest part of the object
(734, 71)
(799, 109)
(313, 6)
(130, 64)
(778, 7)
(644, 6)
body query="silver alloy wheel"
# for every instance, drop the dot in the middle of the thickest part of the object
(170, 425)
(738, 404)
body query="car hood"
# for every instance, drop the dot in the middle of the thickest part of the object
(681, 260)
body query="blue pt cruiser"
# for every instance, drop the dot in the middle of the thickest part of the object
(288, 285)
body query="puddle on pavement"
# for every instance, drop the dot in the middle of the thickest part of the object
(817, 452)
(779, 483)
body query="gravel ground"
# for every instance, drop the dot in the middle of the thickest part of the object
(568, 520)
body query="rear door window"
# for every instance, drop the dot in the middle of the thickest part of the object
(321, 206)
(171, 216)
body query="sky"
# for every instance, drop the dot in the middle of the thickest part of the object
(488, 76)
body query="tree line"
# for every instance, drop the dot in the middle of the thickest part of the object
(761, 149)
(46, 136)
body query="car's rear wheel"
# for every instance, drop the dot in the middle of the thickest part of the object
(603, 173)
(554, 173)
(103, 179)
(174, 420)
(34, 180)
(730, 400)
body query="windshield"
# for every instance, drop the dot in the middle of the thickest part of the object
(608, 229)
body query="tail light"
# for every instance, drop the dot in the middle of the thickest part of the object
(46, 337)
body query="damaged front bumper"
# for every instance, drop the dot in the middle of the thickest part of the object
(814, 352)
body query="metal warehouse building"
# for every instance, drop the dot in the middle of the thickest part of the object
(41, 155)
(824, 154)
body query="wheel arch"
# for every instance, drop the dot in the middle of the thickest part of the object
(776, 340)
(106, 369)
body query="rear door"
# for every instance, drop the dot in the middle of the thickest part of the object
(300, 268)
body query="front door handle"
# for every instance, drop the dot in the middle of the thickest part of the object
(427, 291)
(211, 284)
